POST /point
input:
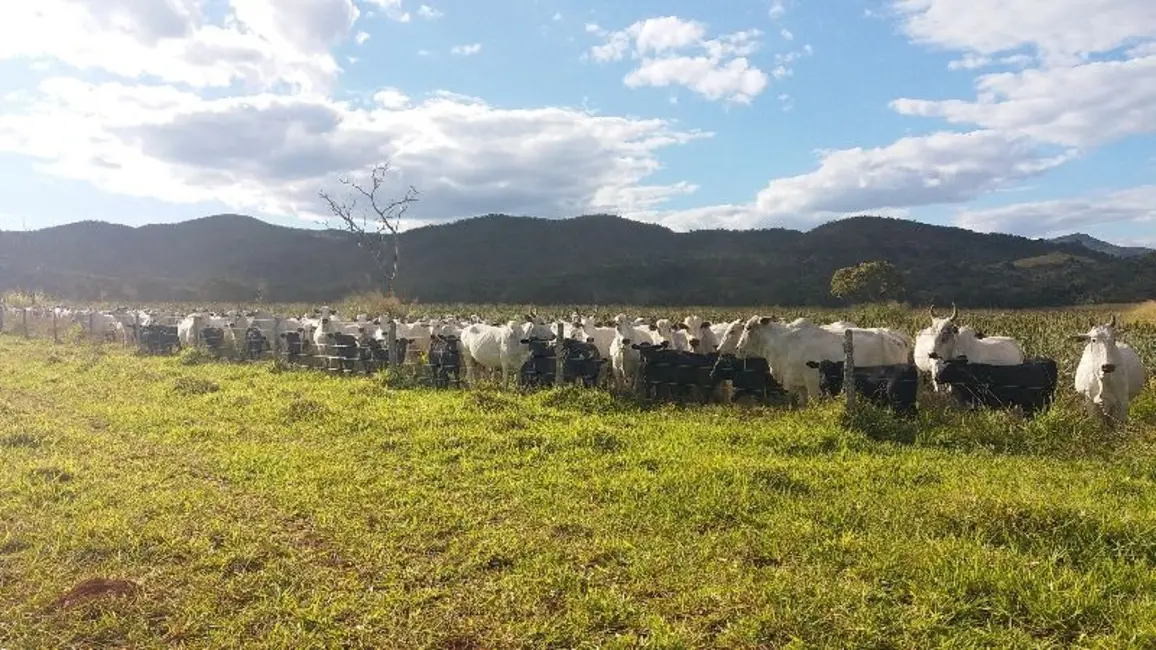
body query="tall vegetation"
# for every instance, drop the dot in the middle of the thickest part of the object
(874, 281)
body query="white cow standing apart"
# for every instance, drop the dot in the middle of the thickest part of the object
(1110, 374)
(788, 348)
(945, 340)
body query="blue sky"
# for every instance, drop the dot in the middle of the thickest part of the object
(989, 114)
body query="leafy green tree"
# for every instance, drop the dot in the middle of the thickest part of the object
(874, 281)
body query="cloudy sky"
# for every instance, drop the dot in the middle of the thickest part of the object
(1022, 116)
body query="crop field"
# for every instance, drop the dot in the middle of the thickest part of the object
(167, 502)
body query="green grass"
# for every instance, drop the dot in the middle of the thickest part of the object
(252, 507)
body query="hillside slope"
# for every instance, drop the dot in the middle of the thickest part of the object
(589, 259)
(1101, 246)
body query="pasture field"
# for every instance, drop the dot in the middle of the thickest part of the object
(242, 505)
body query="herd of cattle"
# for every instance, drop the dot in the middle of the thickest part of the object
(759, 357)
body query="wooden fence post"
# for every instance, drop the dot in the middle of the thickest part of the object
(91, 324)
(394, 361)
(24, 320)
(560, 360)
(55, 338)
(276, 337)
(849, 369)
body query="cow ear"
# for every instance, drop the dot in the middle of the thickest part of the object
(1081, 338)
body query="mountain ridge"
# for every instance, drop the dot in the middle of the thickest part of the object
(596, 258)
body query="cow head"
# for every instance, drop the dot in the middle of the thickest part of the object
(1100, 341)
(750, 341)
(729, 341)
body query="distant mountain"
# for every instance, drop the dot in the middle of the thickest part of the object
(593, 259)
(1101, 246)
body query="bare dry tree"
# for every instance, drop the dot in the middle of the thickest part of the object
(376, 223)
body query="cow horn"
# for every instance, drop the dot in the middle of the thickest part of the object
(954, 312)
(931, 311)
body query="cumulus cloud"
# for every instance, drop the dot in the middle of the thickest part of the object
(940, 168)
(429, 13)
(466, 156)
(671, 51)
(260, 42)
(1135, 206)
(1057, 31)
(1082, 105)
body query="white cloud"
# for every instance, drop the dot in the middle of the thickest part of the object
(1082, 105)
(940, 168)
(735, 81)
(361, 38)
(969, 61)
(392, 9)
(429, 13)
(665, 50)
(557, 16)
(1135, 206)
(778, 8)
(1058, 31)
(466, 50)
(270, 153)
(391, 98)
(261, 42)
(786, 34)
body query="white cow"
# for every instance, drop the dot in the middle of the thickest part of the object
(945, 340)
(788, 349)
(839, 326)
(663, 332)
(728, 335)
(1110, 374)
(501, 346)
(683, 340)
(189, 329)
(600, 337)
(624, 359)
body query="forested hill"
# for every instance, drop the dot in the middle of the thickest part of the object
(591, 259)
